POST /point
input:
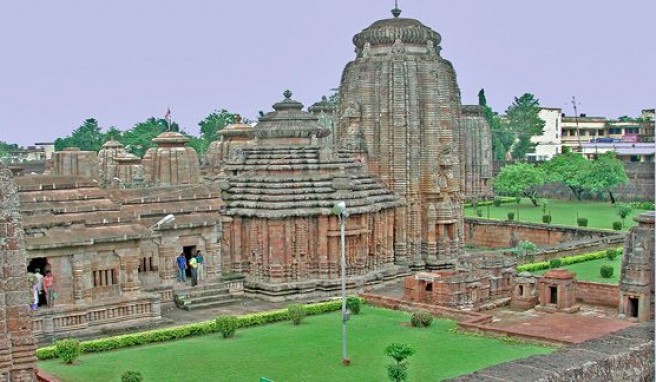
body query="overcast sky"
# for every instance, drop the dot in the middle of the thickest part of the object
(124, 61)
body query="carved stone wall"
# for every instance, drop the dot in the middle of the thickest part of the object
(72, 161)
(400, 112)
(17, 343)
(171, 162)
(476, 154)
(637, 278)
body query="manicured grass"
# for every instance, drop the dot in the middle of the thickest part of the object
(563, 212)
(589, 270)
(283, 352)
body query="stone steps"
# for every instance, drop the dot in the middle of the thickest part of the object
(203, 296)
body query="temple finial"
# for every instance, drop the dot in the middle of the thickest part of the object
(287, 94)
(396, 12)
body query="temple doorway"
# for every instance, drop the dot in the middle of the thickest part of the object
(554, 294)
(633, 306)
(188, 250)
(39, 265)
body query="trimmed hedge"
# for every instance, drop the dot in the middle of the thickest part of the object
(542, 265)
(501, 200)
(190, 330)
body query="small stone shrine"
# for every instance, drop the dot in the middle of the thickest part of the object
(557, 291)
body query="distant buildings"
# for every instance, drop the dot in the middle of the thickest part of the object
(631, 138)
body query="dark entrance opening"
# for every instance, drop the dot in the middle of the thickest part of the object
(634, 302)
(553, 293)
(39, 265)
(429, 287)
(188, 251)
(521, 291)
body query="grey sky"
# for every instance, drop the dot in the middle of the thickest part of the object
(124, 61)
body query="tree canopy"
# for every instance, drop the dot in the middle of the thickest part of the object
(502, 137)
(521, 179)
(87, 137)
(606, 173)
(215, 122)
(570, 169)
(524, 122)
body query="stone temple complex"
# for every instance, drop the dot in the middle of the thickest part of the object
(400, 113)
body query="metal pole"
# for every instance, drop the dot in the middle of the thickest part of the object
(342, 221)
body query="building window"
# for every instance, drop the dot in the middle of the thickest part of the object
(615, 130)
(146, 265)
(105, 277)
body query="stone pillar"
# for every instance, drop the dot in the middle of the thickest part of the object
(17, 344)
(167, 266)
(322, 250)
(130, 268)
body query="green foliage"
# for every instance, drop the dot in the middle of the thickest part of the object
(482, 100)
(500, 200)
(131, 376)
(570, 169)
(623, 210)
(511, 216)
(399, 352)
(67, 349)
(227, 325)
(606, 173)
(502, 137)
(546, 219)
(296, 313)
(520, 179)
(606, 271)
(421, 319)
(497, 202)
(582, 222)
(617, 226)
(533, 267)
(190, 330)
(139, 138)
(5, 148)
(611, 254)
(555, 263)
(649, 206)
(87, 137)
(479, 213)
(354, 304)
(215, 122)
(523, 120)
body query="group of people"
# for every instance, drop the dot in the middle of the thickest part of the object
(195, 264)
(42, 288)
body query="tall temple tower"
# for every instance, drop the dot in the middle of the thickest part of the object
(400, 113)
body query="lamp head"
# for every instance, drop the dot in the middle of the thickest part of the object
(339, 208)
(165, 220)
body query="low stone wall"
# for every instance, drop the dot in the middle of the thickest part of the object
(626, 355)
(598, 294)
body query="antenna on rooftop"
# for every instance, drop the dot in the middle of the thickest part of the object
(576, 121)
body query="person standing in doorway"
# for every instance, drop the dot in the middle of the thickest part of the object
(181, 260)
(201, 265)
(39, 277)
(193, 267)
(49, 288)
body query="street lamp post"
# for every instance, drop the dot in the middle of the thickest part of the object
(340, 210)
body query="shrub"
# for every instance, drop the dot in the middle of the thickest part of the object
(606, 271)
(617, 226)
(398, 372)
(296, 313)
(542, 265)
(67, 349)
(555, 263)
(354, 305)
(518, 200)
(227, 325)
(611, 254)
(582, 222)
(511, 216)
(421, 319)
(497, 202)
(546, 219)
(479, 213)
(642, 205)
(131, 376)
(623, 210)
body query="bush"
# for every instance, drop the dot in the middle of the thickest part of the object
(546, 219)
(296, 313)
(421, 319)
(131, 376)
(611, 254)
(642, 205)
(189, 330)
(582, 222)
(227, 325)
(518, 200)
(67, 349)
(542, 265)
(555, 263)
(398, 372)
(606, 271)
(497, 202)
(479, 213)
(511, 216)
(617, 226)
(354, 305)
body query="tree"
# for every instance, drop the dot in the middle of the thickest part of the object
(87, 137)
(623, 210)
(570, 169)
(502, 138)
(398, 372)
(520, 179)
(523, 120)
(606, 173)
(5, 148)
(215, 122)
(140, 137)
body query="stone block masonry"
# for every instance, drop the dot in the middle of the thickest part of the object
(17, 343)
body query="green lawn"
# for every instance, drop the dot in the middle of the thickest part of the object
(563, 212)
(589, 270)
(309, 352)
